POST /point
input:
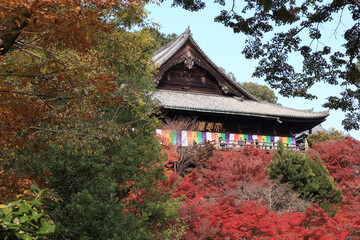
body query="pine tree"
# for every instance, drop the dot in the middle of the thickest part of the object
(310, 179)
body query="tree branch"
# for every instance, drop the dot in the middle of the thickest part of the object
(10, 29)
(356, 3)
(31, 53)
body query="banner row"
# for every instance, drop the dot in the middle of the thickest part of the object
(187, 138)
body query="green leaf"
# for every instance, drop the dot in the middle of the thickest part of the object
(36, 216)
(16, 221)
(24, 236)
(35, 202)
(12, 226)
(7, 219)
(45, 229)
(34, 188)
(24, 218)
(14, 203)
(25, 207)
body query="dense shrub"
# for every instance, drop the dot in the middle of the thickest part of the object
(28, 216)
(309, 178)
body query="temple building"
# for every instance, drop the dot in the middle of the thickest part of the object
(189, 84)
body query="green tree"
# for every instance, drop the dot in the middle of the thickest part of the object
(261, 92)
(109, 188)
(230, 75)
(90, 134)
(298, 27)
(322, 136)
(310, 179)
(162, 39)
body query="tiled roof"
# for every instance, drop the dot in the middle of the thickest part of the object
(229, 105)
(166, 52)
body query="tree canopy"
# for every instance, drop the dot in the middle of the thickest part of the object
(322, 136)
(261, 92)
(162, 39)
(76, 112)
(52, 69)
(299, 29)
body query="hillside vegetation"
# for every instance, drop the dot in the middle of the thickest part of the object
(314, 196)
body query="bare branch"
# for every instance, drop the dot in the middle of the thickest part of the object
(233, 6)
(340, 22)
(31, 53)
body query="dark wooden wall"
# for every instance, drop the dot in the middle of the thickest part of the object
(248, 124)
(197, 79)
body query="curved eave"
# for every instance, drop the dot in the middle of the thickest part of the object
(248, 114)
(210, 103)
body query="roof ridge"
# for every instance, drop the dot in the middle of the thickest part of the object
(186, 33)
(157, 55)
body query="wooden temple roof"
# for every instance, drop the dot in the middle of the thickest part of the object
(199, 102)
(232, 100)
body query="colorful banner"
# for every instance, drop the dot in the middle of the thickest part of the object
(188, 138)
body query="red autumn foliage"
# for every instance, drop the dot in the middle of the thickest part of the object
(342, 158)
(233, 198)
(169, 149)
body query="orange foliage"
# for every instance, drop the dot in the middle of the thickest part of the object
(64, 92)
(66, 23)
(12, 184)
(42, 84)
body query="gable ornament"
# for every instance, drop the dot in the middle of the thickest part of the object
(225, 89)
(189, 61)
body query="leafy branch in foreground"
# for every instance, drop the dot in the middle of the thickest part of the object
(27, 218)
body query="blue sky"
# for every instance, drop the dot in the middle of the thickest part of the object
(224, 48)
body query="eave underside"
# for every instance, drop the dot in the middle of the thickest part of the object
(247, 124)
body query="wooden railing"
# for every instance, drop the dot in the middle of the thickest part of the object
(221, 144)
